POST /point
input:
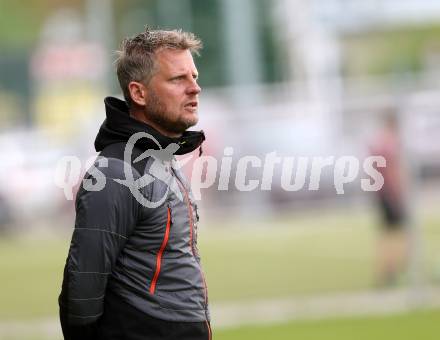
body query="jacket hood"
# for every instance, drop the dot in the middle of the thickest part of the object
(119, 127)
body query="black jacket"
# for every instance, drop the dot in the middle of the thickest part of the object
(144, 254)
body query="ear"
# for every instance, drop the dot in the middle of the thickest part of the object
(138, 93)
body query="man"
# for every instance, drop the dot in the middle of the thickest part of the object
(133, 269)
(393, 243)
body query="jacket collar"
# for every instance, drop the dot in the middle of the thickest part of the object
(119, 126)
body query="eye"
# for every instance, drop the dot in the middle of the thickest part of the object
(177, 78)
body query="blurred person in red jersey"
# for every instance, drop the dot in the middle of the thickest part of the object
(392, 247)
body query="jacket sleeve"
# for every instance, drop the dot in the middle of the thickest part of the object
(104, 220)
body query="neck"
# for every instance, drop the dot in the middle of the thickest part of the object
(141, 116)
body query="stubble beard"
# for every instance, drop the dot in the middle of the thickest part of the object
(157, 112)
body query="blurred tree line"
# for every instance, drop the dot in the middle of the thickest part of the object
(377, 52)
(402, 49)
(22, 22)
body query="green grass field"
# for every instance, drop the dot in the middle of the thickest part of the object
(423, 325)
(290, 256)
(417, 325)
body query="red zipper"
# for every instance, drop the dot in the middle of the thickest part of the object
(191, 227)
(160, 253)
(209, 330)
(190, 216)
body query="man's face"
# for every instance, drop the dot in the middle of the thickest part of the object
(172, 93)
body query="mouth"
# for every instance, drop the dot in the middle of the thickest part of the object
(192, 106)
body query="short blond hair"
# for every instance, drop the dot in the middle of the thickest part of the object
(136, 57)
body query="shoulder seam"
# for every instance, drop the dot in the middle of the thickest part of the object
(101, 230)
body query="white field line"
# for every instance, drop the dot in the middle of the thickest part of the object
(47, 329)
(326, 306)
(225, 315)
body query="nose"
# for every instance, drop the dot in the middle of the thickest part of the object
(194, 88)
